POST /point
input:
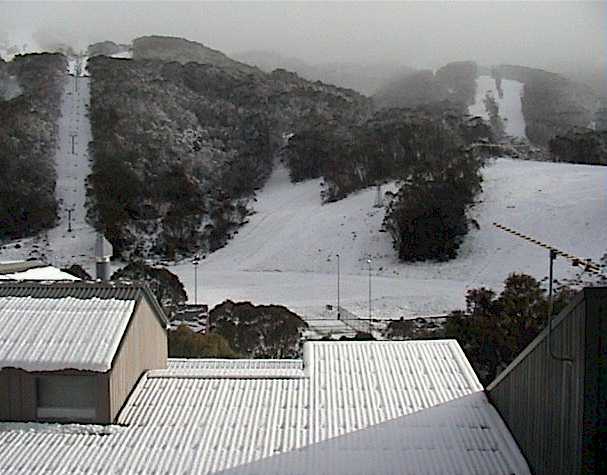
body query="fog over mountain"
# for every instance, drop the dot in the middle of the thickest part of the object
(417, 34)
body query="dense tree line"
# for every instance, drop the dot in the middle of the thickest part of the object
(580, 146)
(28, 135)
(185, 343)
(426, 150)
(387, 146)
(180, 148)
(454, 82)
(551, 103)
(166, 286)
(258, 331)
(494, 329)
(427, 216)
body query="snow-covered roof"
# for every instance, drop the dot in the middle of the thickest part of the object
(238, 368)
(358, 408)
(55, 326)
(39, 273)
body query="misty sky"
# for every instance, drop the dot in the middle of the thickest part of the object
(421, 34)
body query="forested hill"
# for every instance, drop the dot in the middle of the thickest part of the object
(180, 148)
(181, 145)
(552, 105)
(166, 48)
(30, 97)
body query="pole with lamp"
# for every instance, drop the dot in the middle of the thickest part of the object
(196, 261)
(69, 218)
(369, 262)
(338, 276)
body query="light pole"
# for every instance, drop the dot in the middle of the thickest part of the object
(196, 261)
(69, 219)
(338, 312)
(369, 262)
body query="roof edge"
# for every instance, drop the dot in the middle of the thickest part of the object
(151, 299)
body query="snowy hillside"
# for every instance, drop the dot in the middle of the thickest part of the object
(509, 103)
(17, 43)
(61, 245)
(286, 254)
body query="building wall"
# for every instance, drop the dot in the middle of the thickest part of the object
(546, 402)
(144, 347)
(18, 394)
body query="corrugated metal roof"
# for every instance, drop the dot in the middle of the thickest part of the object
(363, 407)
(49, 334)
(236, 368)
(52, 326)
(235, 364)
(79, 290)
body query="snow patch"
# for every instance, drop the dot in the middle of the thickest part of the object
(40, 273)
(73, 239)
(509, 103)
(286, 254)
(10, 88)
(123, 55)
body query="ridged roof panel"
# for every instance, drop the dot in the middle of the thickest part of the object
(236, 368)
(56, 327)
(362, 407)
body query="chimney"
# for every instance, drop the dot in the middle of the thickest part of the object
(103, 252)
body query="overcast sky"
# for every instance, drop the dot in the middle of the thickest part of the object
(415, 33)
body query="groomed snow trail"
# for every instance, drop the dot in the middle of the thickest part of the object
(286, 253)
(58, 246)
(509, 105)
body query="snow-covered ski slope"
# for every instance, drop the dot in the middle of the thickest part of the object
(58, 246)
(509, 104)
(286, 254)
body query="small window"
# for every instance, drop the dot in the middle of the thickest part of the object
(66, 398)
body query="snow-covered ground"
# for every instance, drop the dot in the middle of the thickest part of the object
(286, 254)
(510, 105)
(123, 55)
(59, 246)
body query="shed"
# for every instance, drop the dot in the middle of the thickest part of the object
(73, 351)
